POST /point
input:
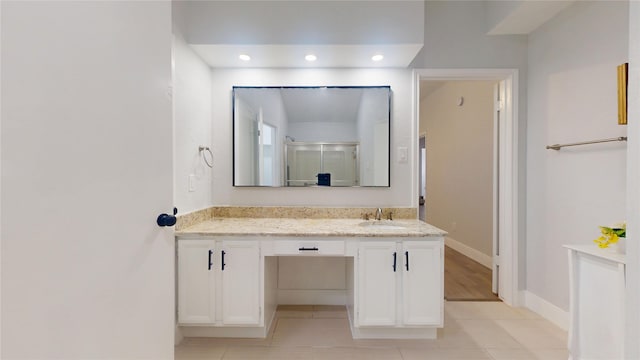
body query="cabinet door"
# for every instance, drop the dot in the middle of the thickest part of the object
(240, 268)
(196, 282)
(376, 296)
(422, 287)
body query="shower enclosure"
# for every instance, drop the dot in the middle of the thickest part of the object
(305, 160)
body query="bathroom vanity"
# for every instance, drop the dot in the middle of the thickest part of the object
(227, 274)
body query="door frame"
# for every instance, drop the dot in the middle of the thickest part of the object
(507, 180)
(422, 177)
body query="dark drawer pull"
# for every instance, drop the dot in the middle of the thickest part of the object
(395, 255)
(210, 262)
(406, 254)
(222, 261)
(308, 249)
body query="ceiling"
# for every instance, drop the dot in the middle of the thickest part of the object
(317, 104)
(281, 33)
(344, 33)
(321, 104)
(293, 56)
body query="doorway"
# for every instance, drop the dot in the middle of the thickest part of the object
(500, 172)
(457, 118)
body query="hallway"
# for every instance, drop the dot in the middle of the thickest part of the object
(466, 279)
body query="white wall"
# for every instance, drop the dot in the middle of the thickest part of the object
(632, 308)
(401, 192)
(522, 16)
(459, 146)
(324, 131)
(305, 22)
(193, 127)
(86, 169)
(455, 36)
(449, 44)
(497, 11)
(573, 97)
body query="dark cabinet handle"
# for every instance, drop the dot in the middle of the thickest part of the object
(210, 262)
(223, 264)
(395, 255)
(308, 249)
(406, 257)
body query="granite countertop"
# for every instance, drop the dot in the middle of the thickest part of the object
(312, 227)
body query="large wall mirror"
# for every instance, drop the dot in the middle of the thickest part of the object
(311, 136)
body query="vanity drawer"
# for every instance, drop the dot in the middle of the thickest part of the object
(308, 247)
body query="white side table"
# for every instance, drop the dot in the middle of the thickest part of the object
(597, 296)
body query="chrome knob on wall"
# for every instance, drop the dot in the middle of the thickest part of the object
(166, 219)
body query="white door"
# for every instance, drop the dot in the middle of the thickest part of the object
(196, 281)
(245, 144)
(422, 177)
(498, 197)
(240, 267)
(378, 264)
(268, 168)
(422, 287)
(86, 170)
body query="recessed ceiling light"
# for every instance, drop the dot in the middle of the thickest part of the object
(244, 57)
(377, 57)
(310, 57)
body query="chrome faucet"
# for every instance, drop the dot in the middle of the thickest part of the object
(379, 214)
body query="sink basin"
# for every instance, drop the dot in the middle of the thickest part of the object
(383, 224)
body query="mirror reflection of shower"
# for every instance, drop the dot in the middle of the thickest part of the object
(306, 160)
(286, 136)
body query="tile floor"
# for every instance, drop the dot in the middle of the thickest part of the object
(473, 330)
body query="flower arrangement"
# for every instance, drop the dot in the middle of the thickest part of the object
(610, 235)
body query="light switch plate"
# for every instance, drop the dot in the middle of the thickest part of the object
(403, 154)
(192, 183)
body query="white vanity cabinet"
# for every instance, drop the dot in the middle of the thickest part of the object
(399, 283)
(229, 275)
(196, 282)
(377, 269)
(422, 283)
(219, 282)
(240, 277)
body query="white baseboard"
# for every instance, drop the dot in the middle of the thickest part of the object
(547, 310)
(312, 297)
(468, 251)
(177, 336)
(225, 331)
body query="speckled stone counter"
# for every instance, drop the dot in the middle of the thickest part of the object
(287, 212)
(311, 227)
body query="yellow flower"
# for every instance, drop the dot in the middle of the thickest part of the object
(609, 236)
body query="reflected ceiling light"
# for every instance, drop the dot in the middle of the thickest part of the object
(244, 57)
(377, 57)
(310, 57)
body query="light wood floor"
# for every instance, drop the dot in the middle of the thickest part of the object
(466, 279)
